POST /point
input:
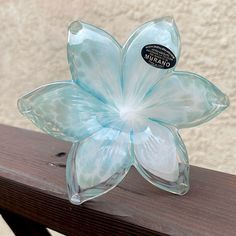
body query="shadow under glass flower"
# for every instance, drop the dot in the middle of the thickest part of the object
(119, 110)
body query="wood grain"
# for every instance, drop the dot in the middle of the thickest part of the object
(32, 184)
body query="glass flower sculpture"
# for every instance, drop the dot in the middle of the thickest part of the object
(123, 107)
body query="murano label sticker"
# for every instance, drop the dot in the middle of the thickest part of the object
(158, 56)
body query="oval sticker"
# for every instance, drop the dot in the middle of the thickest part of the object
(158, 56)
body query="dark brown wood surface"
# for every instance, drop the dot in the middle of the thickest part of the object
(32, 184)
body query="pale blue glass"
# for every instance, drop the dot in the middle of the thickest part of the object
(120, 110)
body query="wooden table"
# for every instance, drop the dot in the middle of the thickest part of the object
(33, 196)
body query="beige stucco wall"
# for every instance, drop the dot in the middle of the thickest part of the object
(33, 52)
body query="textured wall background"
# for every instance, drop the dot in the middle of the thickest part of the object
(33, 52)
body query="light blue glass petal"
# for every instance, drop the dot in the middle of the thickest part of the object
(97, 165)
(63, 110)
(161, 158)
(95, 61)
(138, 75)
(184, 100)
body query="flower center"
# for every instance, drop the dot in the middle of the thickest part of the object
(130, 117)
(123, 117)
(128, 114)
